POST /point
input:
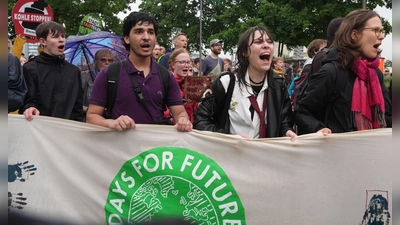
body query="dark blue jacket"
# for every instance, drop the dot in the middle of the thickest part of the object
(16, 84)
(164, 58)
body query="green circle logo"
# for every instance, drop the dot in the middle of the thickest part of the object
(173, 182)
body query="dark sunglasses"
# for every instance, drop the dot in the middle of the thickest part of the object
(105, 60)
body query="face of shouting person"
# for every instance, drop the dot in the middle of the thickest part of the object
(261, 51)
(156, 52)
(53, 44)
(370, 38)
(182, 64)
(142, 39)
(181, 42)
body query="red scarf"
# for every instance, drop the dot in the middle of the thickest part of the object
(181, 83)
(367, 104)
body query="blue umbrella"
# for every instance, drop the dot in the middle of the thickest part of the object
(80, 50)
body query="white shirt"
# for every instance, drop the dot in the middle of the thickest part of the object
(239, 109)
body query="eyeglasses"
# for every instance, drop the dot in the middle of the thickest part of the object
(378, 31)
(184, 62)
(105, 60)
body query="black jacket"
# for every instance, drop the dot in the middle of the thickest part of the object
(16, 84)
(212, 114)
(54, 87)
(314, 111)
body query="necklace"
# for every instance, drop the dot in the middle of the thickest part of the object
(257, 83)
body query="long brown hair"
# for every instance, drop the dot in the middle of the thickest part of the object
(349, 49)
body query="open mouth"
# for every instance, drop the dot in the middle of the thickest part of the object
(61, 47)
(146, 45)
(265, 57)
(377, 46)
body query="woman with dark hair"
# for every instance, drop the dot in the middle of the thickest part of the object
(253, 102)
(348, 93)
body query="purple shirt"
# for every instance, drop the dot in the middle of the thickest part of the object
(126, 102)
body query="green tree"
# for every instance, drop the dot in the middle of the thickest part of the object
(71, 13)
(291, 22)
(388, 63)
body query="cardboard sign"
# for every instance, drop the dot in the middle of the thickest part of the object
(90, 23)
(27, 15)
(194, 86)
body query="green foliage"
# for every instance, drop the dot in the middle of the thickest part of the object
(71, 13)
(291, 22)
(388, 63)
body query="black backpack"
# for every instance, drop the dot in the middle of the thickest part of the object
(113, 73)
(302, 82)
(340, 85)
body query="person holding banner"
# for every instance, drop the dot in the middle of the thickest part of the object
(139, 36)
(54, 85)
(348, 93)
(180, 64)
(253, 102)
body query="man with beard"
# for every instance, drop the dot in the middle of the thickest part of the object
(212, 65)
(139, 38)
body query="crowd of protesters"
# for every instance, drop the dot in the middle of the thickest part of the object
(252, 98)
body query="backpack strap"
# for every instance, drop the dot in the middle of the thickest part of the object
(165, 79)
(227, 98)
(112, 86)
(340, 84)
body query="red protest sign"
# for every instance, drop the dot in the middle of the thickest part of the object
(194, 87)
(27, 15)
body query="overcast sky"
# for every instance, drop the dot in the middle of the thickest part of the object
(383, 12)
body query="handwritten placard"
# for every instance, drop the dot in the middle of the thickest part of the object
(194, 86)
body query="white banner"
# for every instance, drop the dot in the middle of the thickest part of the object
(85, 174)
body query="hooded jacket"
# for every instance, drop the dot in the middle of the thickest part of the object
(312, 113)
(212, 114)
(54, 87)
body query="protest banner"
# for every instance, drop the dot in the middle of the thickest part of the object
(84, 174)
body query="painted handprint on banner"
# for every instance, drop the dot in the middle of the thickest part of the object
(377, 211)
(17, 201)
(20, 171)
